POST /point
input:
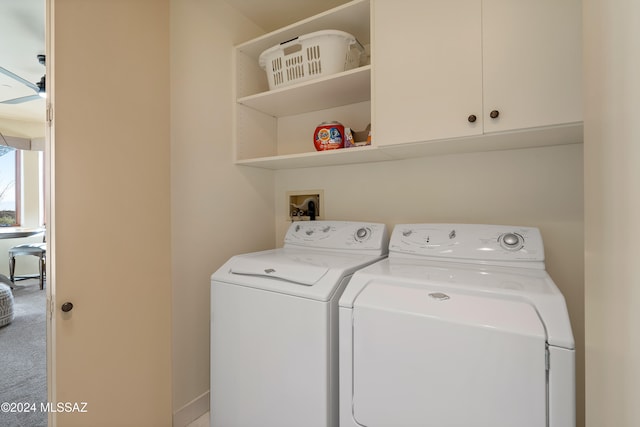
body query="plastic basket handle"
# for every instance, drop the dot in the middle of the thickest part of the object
(357, 44)
(288, 50)
(291, 49)
(288, 41)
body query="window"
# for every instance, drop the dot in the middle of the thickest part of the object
(9, 186)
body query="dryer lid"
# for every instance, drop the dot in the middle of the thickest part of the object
(499, 313)
(515, 284)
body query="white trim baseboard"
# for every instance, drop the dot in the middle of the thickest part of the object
(191, 411)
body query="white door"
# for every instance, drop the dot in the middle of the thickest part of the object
(427, 65)
(532, 63)
(109, 214)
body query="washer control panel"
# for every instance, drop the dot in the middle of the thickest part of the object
(338, 235)
(468, 242)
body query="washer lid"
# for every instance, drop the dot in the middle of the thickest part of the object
(446, 357)
(301, 274)
(313, 274)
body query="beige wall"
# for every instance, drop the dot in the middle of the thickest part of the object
(541, 187)
(612, 211)
(110, 249)
(218, 209)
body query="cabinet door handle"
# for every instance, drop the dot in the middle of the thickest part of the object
(494, 114)
(471, 118)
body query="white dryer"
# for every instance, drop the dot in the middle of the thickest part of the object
(274, 325)
(461, 326)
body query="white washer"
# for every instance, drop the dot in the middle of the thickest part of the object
(461, 326)
(274, 325)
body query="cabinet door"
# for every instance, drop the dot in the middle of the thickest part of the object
(532, 63)
(427, 68)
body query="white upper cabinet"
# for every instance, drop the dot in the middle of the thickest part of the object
(455, 68)
(444, 76)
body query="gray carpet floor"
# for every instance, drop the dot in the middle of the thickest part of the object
(23, 357)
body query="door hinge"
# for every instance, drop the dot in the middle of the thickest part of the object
(49, 114)
(547, 359)
(51, 309)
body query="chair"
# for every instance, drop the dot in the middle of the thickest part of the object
(34, 249)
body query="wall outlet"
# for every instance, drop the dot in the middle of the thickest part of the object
(299, 205)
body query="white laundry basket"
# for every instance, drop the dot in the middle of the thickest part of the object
(310, 56)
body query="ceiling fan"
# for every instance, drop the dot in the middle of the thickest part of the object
(39, 88)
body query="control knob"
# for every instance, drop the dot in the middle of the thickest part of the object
(362, 234)
(511, 241)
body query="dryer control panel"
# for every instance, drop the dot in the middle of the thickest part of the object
(473, 242)
(338, 235)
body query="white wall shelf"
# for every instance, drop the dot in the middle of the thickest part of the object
(343, 156)
(348, 87)
(526, 138)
